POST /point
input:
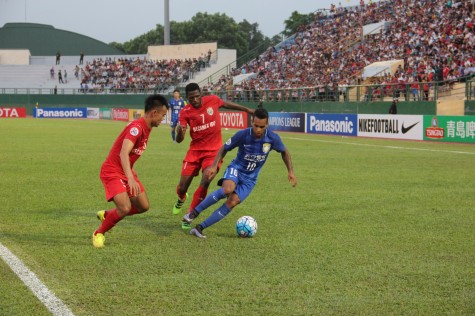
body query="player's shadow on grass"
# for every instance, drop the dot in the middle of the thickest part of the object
(162, 226)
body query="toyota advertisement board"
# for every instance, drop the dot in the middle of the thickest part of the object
(391, 126)
(12, 112)
(233, 119)
(332, 124)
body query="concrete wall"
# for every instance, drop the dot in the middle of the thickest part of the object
(450, 107)
(14, 57)
(180, 51)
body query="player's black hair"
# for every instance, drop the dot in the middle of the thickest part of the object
(155, 100)
(176, 90)
(192, 87)
(261, 113)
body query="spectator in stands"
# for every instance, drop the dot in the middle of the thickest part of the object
(81, 58)
(51, 72)
(60, 77)
(76, 72)
(65, 76)
(58, 57)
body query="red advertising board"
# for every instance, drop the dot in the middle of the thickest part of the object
(233, 119)
(12, 112)
(120, 114)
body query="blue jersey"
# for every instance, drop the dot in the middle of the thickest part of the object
(253, 152)
(175, 108)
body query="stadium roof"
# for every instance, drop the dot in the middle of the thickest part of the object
(45, 40)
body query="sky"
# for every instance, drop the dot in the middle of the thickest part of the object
(123, 20)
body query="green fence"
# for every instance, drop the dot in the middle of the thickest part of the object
(134, 101)
(469, 108)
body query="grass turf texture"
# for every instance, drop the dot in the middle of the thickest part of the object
(373, 227)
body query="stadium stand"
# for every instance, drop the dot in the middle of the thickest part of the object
(433, 39)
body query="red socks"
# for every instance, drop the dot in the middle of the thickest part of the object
(198, 197)
(133, 211)
(110, 220)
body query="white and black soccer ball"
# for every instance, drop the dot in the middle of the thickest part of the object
(246, 227)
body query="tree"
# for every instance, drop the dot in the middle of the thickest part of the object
(203, 28)
(296, 20)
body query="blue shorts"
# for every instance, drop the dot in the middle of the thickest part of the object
(244, 183)
(173, 123)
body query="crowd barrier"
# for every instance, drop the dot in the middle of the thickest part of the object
(410, 127)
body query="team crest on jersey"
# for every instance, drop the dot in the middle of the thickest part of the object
(266, 148)
(210, 111)
(134, 131)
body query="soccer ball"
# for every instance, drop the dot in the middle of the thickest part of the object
(246, 226)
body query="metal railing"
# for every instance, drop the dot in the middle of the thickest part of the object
(425, 91)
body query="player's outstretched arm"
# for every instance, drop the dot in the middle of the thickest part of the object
(180, 133)
(235, 106)
(290, 168)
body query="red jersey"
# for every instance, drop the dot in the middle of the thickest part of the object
(137, 132)
(204, 122)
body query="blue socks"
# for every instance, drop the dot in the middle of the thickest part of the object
(217, 215)
(211, 199)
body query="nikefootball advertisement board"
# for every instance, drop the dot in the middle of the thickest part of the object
(391, 126)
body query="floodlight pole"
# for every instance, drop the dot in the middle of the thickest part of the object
(166, 29)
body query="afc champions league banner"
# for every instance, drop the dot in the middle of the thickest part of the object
(287, 122)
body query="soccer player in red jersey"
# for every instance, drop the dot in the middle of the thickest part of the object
(202, 115)
(117, 174)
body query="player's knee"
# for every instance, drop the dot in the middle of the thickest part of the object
(228, 190)
(123, 210)
(144, 207)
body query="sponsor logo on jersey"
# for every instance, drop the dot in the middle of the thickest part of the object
(228, 142)
(134, 131)
(266, 148)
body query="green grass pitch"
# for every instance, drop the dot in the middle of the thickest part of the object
(374, 227)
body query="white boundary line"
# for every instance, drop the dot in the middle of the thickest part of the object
(382, 146)
(52, 303)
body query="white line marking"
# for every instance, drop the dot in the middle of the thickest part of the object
(383, 146)
(52, 303)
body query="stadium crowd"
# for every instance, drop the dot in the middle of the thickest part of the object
(435, 39)
(136, 75)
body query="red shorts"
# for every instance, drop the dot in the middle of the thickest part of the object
(114, 185)
(196, 160)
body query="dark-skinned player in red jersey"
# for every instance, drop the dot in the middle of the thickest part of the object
(117, 174)
(202, 116)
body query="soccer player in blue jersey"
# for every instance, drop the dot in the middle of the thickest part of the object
(175, 105)
(254, 145)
